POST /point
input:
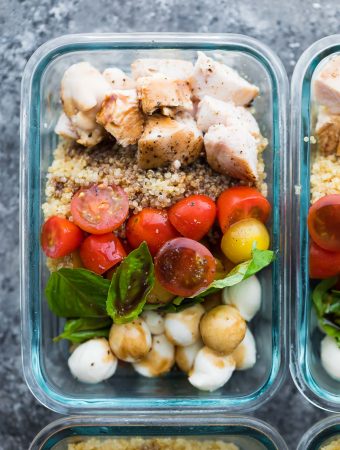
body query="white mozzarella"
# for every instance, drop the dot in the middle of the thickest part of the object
(245, 296)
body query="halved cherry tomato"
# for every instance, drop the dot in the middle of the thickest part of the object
(324, 222)
(184, 267)
(100, 209)
(322, 263)
(59, 237)
(152, 226)
(241, 202)
(193, 216)
(101, 252)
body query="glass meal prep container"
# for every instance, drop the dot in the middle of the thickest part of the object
(45, 362)
(309, 375)
(246, 432)
(321, 434)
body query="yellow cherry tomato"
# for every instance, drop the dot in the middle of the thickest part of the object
(238, 241)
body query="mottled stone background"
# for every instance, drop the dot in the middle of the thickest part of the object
(288, 26)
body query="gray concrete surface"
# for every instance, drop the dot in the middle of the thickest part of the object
(287, 26)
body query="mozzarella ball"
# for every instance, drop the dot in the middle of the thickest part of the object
(185, 356)
(159, 360)
(130, 341)
(245, 296)
(154, 321)
(182, 328)
(245, 353)
(211, 370)
(223, 329)
(330, 357)
(92, 361)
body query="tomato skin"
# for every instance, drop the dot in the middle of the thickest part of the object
(100, 209)
(101, 252)
(324, 222)
(193, 216)
(241, 202)
(152, 226)
(323, 263)
(60, 237)
(184, 267)
(237, 242)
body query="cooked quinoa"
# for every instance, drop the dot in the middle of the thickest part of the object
(325, 176)
(334, 445)
(151, 444)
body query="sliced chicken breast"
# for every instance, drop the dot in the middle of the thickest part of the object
(120, 116)
(166, 140)
(232, 151)
(212, 112)
(327, 131)
(65, 128)
(83, 88)
(173, 68)
(118, 79)
(161, 92)
(327, 85)
(220, 81)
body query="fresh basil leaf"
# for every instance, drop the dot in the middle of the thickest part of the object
(130, 285)
(319, 294)
(180, 306)
(260, 260)
(75, 293)
(80, 330)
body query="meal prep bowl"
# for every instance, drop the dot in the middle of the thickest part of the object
(45, 362)
(245, 432)
(321, 434)
(310, 377)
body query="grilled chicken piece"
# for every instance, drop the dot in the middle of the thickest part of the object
(83, 89)
(166, 140)
(120, 116)
(118, 79)
(65, 128)
(220, 81)
(327, 131)
(232, 151)
(172, 68)
(159, 92)
(327, 85)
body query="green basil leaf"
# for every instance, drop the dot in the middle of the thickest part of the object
(320, 293)
(80, 330)
(75, 293)
(130, 285)
(260, 260)
(180, 306)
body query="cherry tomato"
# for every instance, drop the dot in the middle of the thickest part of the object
(322, 263)
(193, 216)
(59, 237)
(324, 222)
(241, 202)
(101, 252)
(184, 267)
(100, 209)
(237, 242)
(152, 226)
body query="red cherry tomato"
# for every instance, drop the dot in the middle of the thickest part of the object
(100, 209)
(184, 267)
(324, 222)
(152, 226)
(193, 216)
(101, 252)
(322, 263)
(241, 202)
(59, 237)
